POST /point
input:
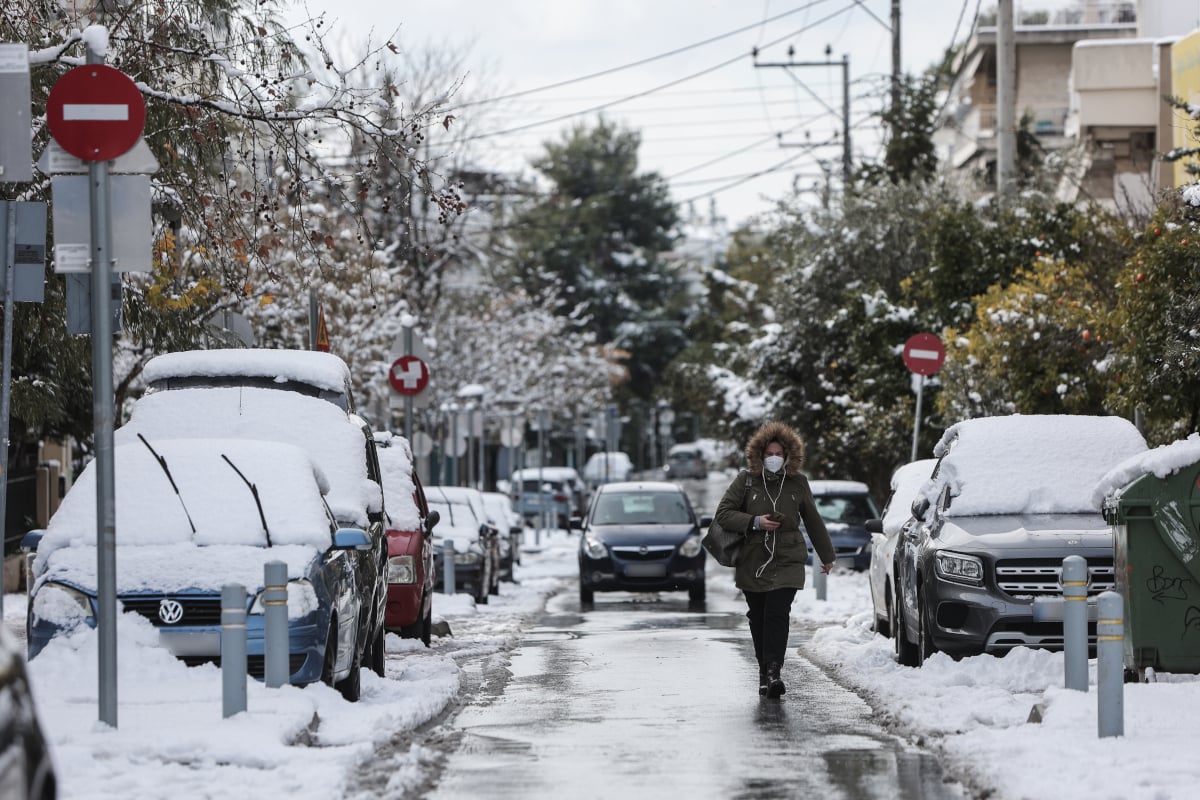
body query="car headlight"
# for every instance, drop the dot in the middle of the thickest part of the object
(62, 605)
(958, 567)
(469, 558)
(301, 599)
(402, 569)
(690, 547)
(594, 548)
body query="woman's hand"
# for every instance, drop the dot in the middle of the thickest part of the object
(826, 567)
(765, 523)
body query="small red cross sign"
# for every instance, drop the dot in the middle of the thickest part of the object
(408, 375)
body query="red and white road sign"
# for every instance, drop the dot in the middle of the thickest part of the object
(408, 375)
(924, 353)
(95, 112)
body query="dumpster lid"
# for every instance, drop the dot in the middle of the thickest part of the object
(1161, 462)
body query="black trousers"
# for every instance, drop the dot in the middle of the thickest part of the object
(770, 616)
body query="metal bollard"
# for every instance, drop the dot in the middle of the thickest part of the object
(819, 580)
(276, 643)
(1110, 664)
(233, 648)
(1075, 614)
(448, 567)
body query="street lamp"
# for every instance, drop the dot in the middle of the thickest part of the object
(473, 394)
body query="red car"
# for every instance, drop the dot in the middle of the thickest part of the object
(410, 550)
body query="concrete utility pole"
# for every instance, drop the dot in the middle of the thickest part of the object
(847, 163)
(1006, 99)
(896, 74)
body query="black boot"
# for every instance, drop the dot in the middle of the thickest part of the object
(763, 681)
(775, 687)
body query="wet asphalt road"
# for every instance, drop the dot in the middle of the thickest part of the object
(642, 697)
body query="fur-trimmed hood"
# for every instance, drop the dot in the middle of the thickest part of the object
(793, 447)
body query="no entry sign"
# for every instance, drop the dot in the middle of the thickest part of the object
(408, 375)
(95, 112)
(924, 353)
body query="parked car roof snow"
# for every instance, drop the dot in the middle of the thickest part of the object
(395, 465)
(323, 370)
(1035, 464)
(319, 427)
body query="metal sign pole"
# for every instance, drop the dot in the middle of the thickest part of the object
(9, 237)
(102, 420)
(408, 401)
(917, 416)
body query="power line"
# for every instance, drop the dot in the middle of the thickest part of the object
(676, 82)
(643, 61)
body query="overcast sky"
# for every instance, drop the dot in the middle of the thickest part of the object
(712, 130)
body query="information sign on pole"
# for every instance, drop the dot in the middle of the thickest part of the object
(16, 146)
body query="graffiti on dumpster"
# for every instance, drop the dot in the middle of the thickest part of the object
(1191, 620)
(1163, 588)
(1169, 519)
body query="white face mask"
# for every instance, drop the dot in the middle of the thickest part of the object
(773, 463)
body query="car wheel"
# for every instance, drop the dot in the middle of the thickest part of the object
(418, 628)
(883, 625)
(586, 596)
(378, 654)
(351, 685)
(330, 660)
(427, 625)
(925, 645)
(696, 593)
(906, 651)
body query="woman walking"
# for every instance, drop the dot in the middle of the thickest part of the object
(767, 501)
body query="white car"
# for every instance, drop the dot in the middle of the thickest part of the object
(885, 533)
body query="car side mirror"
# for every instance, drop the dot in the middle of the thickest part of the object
(706, 520)
(920, 506)
(433, 519)
(351, 539)
(31, 540)
(874, 526)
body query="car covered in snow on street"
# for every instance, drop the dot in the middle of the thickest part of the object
(463, 526)
(845, 507)
(1009, 499)
(886, 533)
(410, 571)
(501, 513)
(555, 493)
(283, 396)
(192, 516)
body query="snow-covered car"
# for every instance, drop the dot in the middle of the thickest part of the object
(641, 537)
(897, 522)
(609, 467)
(501, 513)
(410, 570)
(559, 491)
(217, 402)
(26, 770)
(194, 515)
(845, 506)
(463, 524)
(1009, 499)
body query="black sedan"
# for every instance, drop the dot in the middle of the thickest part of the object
(640, 537)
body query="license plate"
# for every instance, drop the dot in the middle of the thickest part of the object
(645, 570)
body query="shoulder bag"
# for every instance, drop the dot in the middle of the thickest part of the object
(721, 544)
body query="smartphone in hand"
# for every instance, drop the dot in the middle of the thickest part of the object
(776, 516)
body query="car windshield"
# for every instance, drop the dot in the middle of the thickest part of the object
(641, 508)
(849, 509)
(457, 515)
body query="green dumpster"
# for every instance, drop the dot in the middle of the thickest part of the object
(1156, 556)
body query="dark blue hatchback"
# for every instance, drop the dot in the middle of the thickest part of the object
(640, 537)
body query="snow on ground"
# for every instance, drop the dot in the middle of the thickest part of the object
(171, 740)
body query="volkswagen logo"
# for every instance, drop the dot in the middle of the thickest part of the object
(170, 611)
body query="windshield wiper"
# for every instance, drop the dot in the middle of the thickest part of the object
(162, 462)
(254, 492)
